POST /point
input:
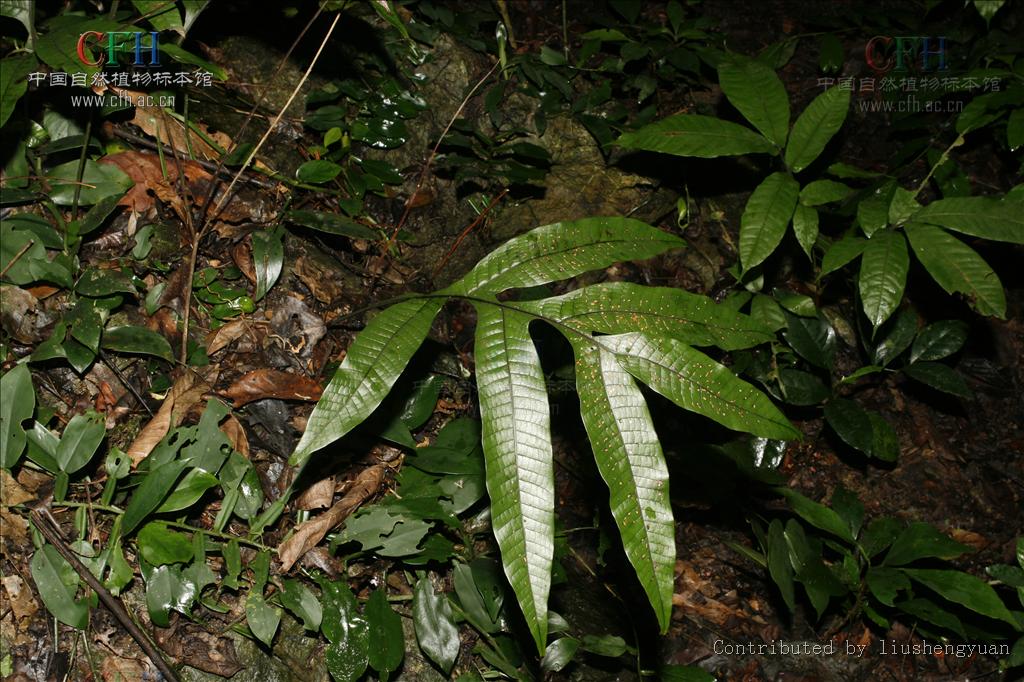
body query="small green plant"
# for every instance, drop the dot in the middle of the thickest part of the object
(620, 334)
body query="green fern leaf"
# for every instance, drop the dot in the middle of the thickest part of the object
(619, 307)
(371, 367)
(518, 456)
(697, 383)
(563, 250)
(630, 460)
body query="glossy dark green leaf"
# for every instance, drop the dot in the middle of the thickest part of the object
(98, 214)
(830, 53)
(823, 191)
(818, 581)
(883, 275)
(98, 283)
(559, 654)
(160, 545)
(332, 223)
(964, 589)
(262, 618)
(848, 507)
(805, 227)
(802, 388)
(348, 654)
(779, 566)
(385, 630)
(17, 404)
(879, 535)
(684, 673)
(939, 340)
(812, 338)
(317, 171)
(694, 135)
(57, 584)
(267, 260)
(842, 252)
(873, 210)
(79, 442)
(435, 626)
(957, 267)
(132, 339)
(897, 334)
(818, 515)
(863, 430)
(886, 583)
(983, 217)
(609, 646)
(188, 491)
(765, 217)
(162, 584)
(822, 119)
(298, 599)
(919, 541)
(938, 376)
(758, 94)
(150, 493)
(14, 72)
(419, 406)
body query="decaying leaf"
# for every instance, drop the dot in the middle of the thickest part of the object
(194, 646)
(226, 335)
(232, 428)
(272, 383)
(309, 533)
(187, 390)
(318, 495)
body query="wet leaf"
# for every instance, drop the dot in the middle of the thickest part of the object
(188, 491)
(132, 339)
(822, 119)
(298, 599)
(765, 217)
(57, 584)
(939, 340)
(159, 545)
(99, 180)
(883, 275)
(818, 515)
(435, 626)
(385, 632)
(938, 376)
(150, 493)
(813, 338)
(559, 654)
(262, 618)
(349, 652)
(17, 403)
(863, 430)
(268, 260)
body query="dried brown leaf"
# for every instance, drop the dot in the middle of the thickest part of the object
(308, 534)
(186, 392)
(272, 383)
(232, 428)
(11, 492)
(226, 335)
(317, 496)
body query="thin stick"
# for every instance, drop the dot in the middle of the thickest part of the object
(21, 252)
(53, 535)
(277, 119)
(465, 233)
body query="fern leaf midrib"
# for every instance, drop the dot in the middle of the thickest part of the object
(647, 313)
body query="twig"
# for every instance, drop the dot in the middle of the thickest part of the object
(465, 233)
(21, 252)
(54, 536)
(120, 377)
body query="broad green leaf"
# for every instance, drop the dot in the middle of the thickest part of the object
(840, 253)
(863, 430)
(818, 581)
(435, 626)
(559, 654)
(964, 589)
(132, 339)
(927, 610)
(150, 493)
(805, 227)
(813, 338)
(14, 72)
(697, 383)
(886, 583)
(57, 583)
(818, 515)
(385, 631)
(159, 545)
(373, 364)
(879, 534)
(983, 217)
(958, 268)
(822, 119)
(79, 442)
(779, 566)
(845, 503)
(349, 651)
(99, 180)
(694, 135)
(297, 598)
(17, 403)
(517, 449)
(617, 307)
(188, 491)
(873, 210)
(898, 333)
(317, 171)
(939, 340)
(766, 311)
(262, 618)
(758, 94)
(764, 220)
(802, 388)
(99, 283)
(883, 275)
(684, 673)
(631, 462)
(563, 250)
(903, 205)
(267, 260)
(920, 541)
(332, 223)
(821, 192)
(938, 376)
(1015, 130)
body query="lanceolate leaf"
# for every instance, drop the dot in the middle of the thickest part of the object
(759, 95)
(764, 220)
(822, 119)
(964, 589)
(883, 275)
(693, 135)
(958, 268)
(630, 460)
(371, 367)
(842, 252)
(563, 250)
(618, 307)
(697, 383)
(518, 455)
(805, 226)
(17, 403)
(977, 216)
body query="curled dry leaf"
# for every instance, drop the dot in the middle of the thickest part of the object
(187, 390)
(194, 646)
(317, 496)
(309, 533)
(226, 335)
(241, 254)
(232, 428)
(271, 383)
(11, 492)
